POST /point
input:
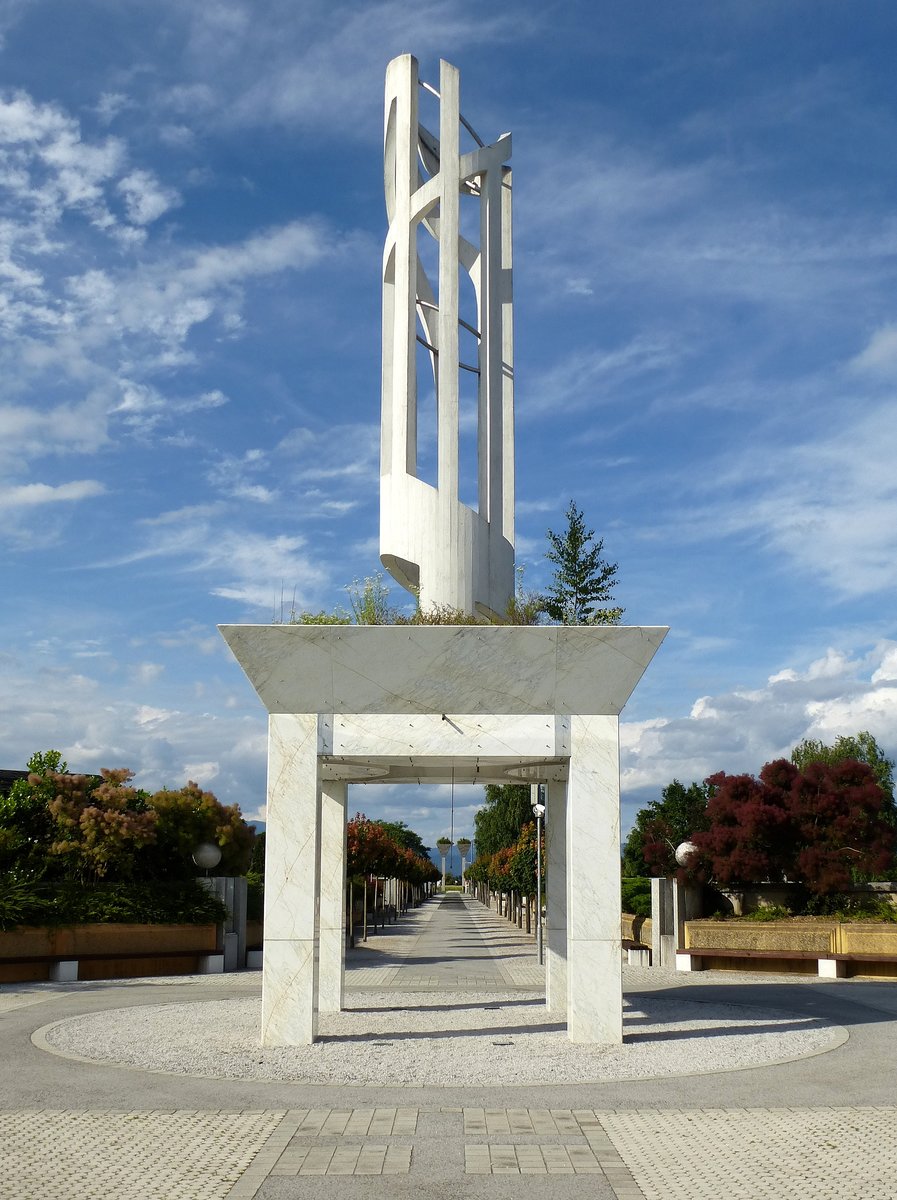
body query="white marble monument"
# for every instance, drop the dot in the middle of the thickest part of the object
(444, 550)
(424, 704)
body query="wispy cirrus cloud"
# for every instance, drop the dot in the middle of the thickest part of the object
(247, 566)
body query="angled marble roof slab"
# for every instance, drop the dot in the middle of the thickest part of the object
(580, 670)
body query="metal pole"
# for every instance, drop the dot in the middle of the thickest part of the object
(539, 885)
(538, 811)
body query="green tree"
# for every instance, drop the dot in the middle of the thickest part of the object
(661, 825)
(405, 837)
(583, 579)
(859, 747)
(498, 823)
(27, 829)
(187, 816)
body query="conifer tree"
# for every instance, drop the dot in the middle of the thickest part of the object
(583, 579)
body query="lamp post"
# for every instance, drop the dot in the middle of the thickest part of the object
(463, 845)
(538, 813)
(443, 845)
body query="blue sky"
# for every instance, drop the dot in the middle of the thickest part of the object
(191, 226)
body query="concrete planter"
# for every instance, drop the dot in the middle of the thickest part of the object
(755, 937)
(867, 937)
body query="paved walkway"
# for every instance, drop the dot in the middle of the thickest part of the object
(813, 1129)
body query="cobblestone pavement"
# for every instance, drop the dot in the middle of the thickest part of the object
(739, 1154)
(284, 1146)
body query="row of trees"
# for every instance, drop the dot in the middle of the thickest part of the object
(388, 849)
(511, 868)
(825, 819)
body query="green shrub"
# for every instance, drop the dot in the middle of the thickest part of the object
(636, 895)
(848, 907)
(769, 912)
(185, 902)
(255, 895)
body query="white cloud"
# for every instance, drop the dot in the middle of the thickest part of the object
(97, 723)
(242, 565)
(739, 731)
(147, 672)
(33, 495)
(589, 377)
(145, 198)
(879, 356)
(291, 67)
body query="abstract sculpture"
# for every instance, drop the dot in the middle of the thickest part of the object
(443, 550)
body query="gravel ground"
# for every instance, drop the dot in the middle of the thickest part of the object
(442, 1039)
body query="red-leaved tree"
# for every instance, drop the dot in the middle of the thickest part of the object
(821, 827)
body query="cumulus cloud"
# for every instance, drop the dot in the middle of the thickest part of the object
(145, 198)
(838, 693)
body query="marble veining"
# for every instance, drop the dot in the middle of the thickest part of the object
(443, 669)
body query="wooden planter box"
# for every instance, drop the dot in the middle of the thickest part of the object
(105, 951)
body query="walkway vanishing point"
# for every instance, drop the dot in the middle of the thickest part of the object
(450, 979)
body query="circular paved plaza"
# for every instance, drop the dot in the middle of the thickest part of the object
(445, 1076)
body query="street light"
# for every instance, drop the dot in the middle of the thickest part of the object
(443, 845)
(538, 813)
(463, 845)
(685, 852)
(206, 856)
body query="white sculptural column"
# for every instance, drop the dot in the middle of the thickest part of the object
(432, 542)
(556, 898)
(290, 964)
(594, 952)
(331, 972)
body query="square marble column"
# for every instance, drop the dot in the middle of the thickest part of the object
(290, 965)
(556, 898)
(594, 952)
(334, 795)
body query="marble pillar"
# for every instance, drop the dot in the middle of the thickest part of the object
(556, 898)
(290, 968)
(334, 795)
(594, 952)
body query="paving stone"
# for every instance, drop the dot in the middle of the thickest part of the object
(749, 1154)
(57, 1155)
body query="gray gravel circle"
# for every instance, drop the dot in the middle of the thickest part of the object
(443, 1039)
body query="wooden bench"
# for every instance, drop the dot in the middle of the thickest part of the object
(64, 967)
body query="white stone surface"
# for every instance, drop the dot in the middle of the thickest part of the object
(831, 968)
(492, 735)
(343, 669)
(688, 962)
(331, 977)
(290, 967)
(594, 952)
(430, 541)
(556, 898)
